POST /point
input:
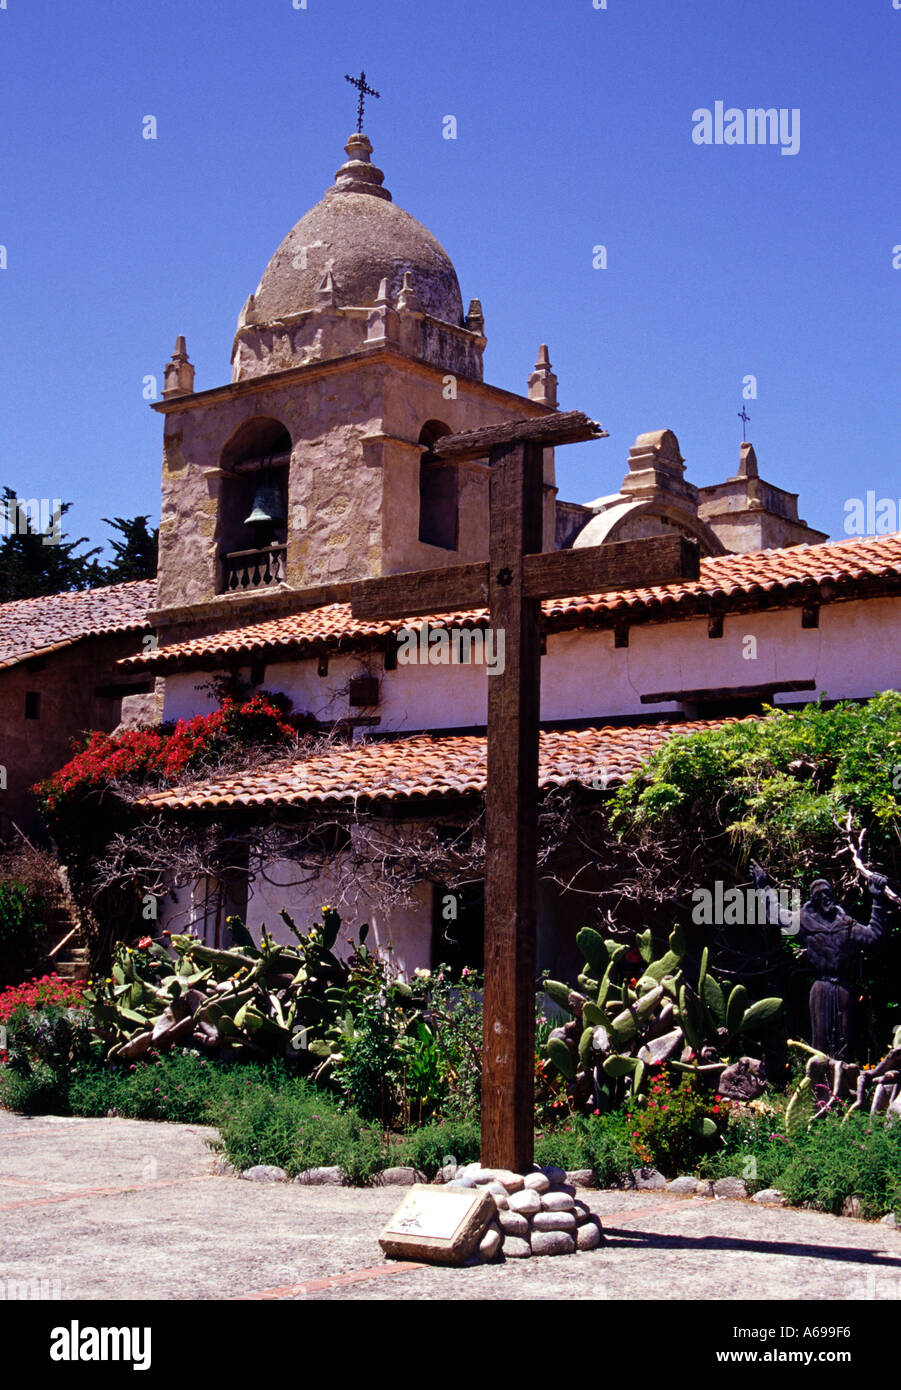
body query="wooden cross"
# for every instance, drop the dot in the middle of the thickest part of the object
(512, 583)
(365, 92)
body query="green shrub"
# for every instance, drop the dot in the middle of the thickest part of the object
(779, 789)
(404, 1054)
(429, 1146)
(21, 917)
(178, 1087)
(860, 1158)
(677, 1126)
(22, 914)
(42, 1047)
(32, 1091)
(829, 1163)
(607, 1147)
(369, 1072)
(564, 1146)
(754, 1146)
(295, 1127)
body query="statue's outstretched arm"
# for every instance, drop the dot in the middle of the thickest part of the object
(774, 914)
(867, 935)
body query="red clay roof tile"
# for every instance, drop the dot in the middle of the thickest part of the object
(764, 576)
(424, 766)
(31, 626)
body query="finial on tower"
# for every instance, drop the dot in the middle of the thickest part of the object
(382, 325)
(543, 382)
(178, 378)
(408, 300)
(359, 174)
(747, 467)
(326, 296)
(475, 319)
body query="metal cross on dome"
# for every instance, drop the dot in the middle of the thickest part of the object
(360, 83)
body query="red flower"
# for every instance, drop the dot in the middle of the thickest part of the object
(144, 942)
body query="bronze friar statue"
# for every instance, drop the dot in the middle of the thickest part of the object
(832, 942)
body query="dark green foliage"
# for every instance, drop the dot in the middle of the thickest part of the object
(29, 568)
(42, 1047)
(780, 790)
(677, 1125)
(607, 1147)
(136, 555)
(822, 1166)
(296, 1127)
(776, 786)
(33, 1091)
(405, 1053)
(860, 1158)
(180, 1087)
(753, 1146)
(21, 924)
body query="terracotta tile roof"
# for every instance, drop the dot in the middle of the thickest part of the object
(759, 578)
(425, 766)
(32, 626)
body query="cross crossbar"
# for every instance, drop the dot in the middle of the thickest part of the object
(549, 574)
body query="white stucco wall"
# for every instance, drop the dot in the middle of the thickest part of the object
(851, 654)
(404, 933)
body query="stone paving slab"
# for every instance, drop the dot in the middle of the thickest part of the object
(124, 1209)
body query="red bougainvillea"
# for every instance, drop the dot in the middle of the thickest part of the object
(164, 755)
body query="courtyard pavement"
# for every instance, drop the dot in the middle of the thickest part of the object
(126, 1209)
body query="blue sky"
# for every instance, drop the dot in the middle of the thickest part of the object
(574, 130)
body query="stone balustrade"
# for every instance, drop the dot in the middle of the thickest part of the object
(253, 569)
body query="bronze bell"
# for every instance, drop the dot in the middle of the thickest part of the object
(268, 506)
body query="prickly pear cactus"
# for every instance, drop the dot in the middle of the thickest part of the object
(252, 1000)
(623, 1025)
(832, 1085)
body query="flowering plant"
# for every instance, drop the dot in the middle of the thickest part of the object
(166, 754)
(48, 991)
(677, 1124)
(47, 1031)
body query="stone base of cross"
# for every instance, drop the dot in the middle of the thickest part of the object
(516, 577)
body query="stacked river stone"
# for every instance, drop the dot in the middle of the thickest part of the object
(537, 1214)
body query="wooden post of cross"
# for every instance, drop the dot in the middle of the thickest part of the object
(512, 584)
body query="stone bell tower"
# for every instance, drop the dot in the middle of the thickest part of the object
(351, 357)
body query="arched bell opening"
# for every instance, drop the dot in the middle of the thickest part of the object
(253, 507)
(438, 492)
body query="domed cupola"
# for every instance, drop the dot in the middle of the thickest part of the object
(357, 273)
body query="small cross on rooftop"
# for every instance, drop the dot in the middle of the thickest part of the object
(360, 83)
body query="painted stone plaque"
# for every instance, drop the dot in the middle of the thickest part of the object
(440, 1224)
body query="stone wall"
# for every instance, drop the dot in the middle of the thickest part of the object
(66, 683)
(353, 490)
